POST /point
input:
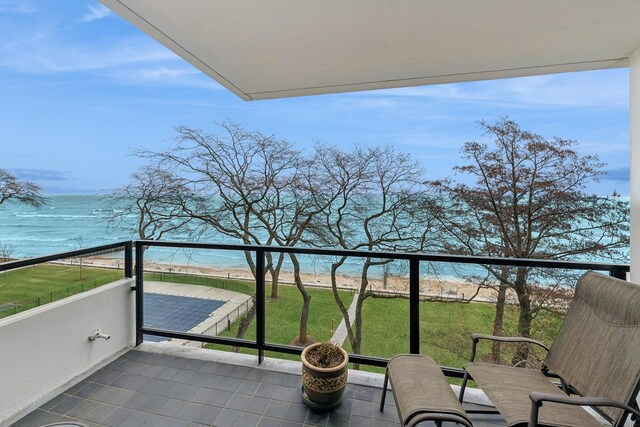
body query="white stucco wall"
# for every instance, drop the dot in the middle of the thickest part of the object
(634, 163)
(45, 350)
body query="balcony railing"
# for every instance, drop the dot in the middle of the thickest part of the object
(48, 283)
(126, 246)
(260, 343)
(414, 273)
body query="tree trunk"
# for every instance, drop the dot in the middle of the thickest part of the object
(498, 322)
(251, 313)
(275, 276)
(336, 297)
(525, 316)
(248, 256)
(306, 300)
(356, 343)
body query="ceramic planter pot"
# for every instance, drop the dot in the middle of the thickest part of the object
(322, 388)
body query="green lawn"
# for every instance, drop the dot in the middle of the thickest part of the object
(30, 287)
(283, 318)
(445, 328)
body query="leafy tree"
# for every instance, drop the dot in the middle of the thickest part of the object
(527, 199)
(12, 188)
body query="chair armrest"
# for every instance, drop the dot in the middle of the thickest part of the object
(477, 337)
(538, 398)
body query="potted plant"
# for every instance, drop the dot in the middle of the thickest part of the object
(324, 375)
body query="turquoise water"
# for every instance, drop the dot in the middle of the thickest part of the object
(69, 222)
(64, 223)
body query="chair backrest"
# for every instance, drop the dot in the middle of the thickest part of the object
(597, 350)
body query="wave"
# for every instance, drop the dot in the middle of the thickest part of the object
(38, 239)
(63, 216)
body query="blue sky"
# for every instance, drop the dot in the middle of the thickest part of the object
(80, 87)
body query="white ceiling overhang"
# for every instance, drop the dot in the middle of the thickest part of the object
(262, 49)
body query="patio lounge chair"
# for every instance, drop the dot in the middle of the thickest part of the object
(596, 357)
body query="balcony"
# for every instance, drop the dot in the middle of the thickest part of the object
(155, 387)
(55, 373)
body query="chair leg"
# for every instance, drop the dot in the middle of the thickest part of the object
(384, 389)
(463, 386)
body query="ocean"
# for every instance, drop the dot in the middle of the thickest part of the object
(69, 222)
(65, 223)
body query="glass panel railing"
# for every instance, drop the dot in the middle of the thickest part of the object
(204, 292)
(366, 304)
(34, 285)
(302, 310)
(382, 299)
(473, 301)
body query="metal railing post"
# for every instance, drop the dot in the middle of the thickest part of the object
(618, 273)
(139, 293)
(414, 306)
(128, 260)
(260, 308)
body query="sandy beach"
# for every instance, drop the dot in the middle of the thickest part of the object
(431, 287)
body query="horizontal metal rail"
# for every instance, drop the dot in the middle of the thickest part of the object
(276, 348)
(458, 259)
(188, 336)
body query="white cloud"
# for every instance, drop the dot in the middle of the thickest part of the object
(22, 7)
(95, 12)
(179, 75)
(48, 48)
(592, 89)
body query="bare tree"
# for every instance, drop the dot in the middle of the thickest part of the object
(289, 209)
(153, 197)
(78, 243)
(245, 185)
(373, 193)
(27, 192)
(528, 200)
(6, 251)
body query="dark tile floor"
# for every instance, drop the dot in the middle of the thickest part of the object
(158, 390)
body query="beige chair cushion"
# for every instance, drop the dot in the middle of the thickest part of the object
(508, 389)
(420, 387)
